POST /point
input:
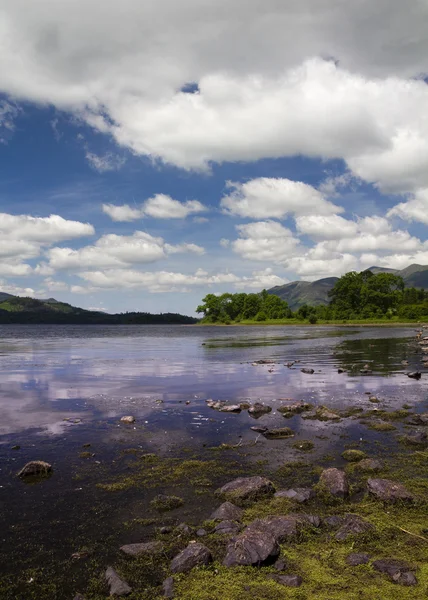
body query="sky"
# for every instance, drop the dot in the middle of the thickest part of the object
(154, 151)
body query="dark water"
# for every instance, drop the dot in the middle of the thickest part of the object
(62, 387)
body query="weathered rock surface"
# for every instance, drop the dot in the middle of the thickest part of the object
(335, 482)
(258, 410)
(292, 407)
(118, 587)
(388, 491)
(369, 465)
(201, 532)
(194, 555)
(35, 468)
(127, 419)
(357, 558)
(247, 489)
(281, 564)
(299, 495)
(168, 588)
(279, 433)
(261, 539)
(215, 404)
(288, 580)
(353, 525)
(227, 528)
(227, 512)
(322, 413)
(399, 571)
(143, 549)
(334, 521)
(231, 408)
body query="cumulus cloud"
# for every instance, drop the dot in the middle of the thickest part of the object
(268, 197)
(265, 240)
(113, 250)
(415, 209)
(260, 280)
(42, 230)
(16, 290)
(160, 206)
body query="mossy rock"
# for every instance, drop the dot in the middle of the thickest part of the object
(381, 426)
(353, 455)
(304, 445)
(164, 503)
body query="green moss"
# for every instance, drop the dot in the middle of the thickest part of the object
(86, 455)
(353, 455)
(381, 426)
(164, 503)
(303, 445)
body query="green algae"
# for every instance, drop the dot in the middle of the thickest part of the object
(353, 455)
(304, 445)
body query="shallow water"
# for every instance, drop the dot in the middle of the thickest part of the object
(65, 386)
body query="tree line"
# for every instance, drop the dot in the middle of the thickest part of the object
(355, 295)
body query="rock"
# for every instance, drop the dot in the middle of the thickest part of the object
(288, 580)
(215, 404)
(293, 408)
(419, 438)
(164, 503)
(247, 489)
(201, 532)
(353, 455)
(282, 432)
(415, 375)
(357, 558)
(264, 361)
(128, 419)
(307, 371)
(322, 413)
(388, 491)
(352, 525)
(165, 530)
(258, 410)
(334, 521)
(335, 482)
(184, 529)
(299, 495)
(340, 371)
(303, 445)
(259, 429)
(118, 587)
(79, 597)
(227, 512)
(365, 371)
(17, 447)
(227, 528)
(231, 408)
(421, 419)
(244, 405)
(168, 588)
(280, 564)
(193, 556)
(147, 548)
(399, 571)
(289, 364)
(260, 540)
(369, 465)
(35, 468)
(373, 399)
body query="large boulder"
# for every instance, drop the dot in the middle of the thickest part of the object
(399, 571)
(227, 512)
(118, 587)
(247, 489)
(147, 548)
(35, 468)
(388, 491)
(353, 525)
(193, 556)
(334, 482)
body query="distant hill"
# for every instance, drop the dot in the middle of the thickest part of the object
(15, 309)
(315, 293)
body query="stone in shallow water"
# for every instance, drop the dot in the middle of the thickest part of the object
(227, 512)
(353, 525)
(353, 455)
(258, 410)
(419, 438)
(35, 468)
(147, 548)
(247, 489)
(163, 503)
(335, 482)
(399, 571)
(357, 558)
(128, 419)
(118, 587)
(388, 491)
(231, 408)
(307, 371)
(280, 433)
(194, 555)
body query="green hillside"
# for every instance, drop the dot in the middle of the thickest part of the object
(315, 293)
(14, 309)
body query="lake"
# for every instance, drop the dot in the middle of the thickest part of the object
(63, 390)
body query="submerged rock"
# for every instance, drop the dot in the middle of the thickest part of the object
(128, 419)
(258, 410)
(388, 491)
(399, 571)
(334, 482)
(118, 587)
(357, 558)
(419, 438)
(353, 455)
(307, 371)
(275, 434)
(194, 555)
(247, 489)
(227, 512)
(421, 419)
(147, 548)
(163, 503)
(35, 468)
(259, 429)
(299, 495)
(168, 588)
(293, 408)
(322, 413)
(353, 525)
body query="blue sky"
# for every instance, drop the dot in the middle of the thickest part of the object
(124, 187)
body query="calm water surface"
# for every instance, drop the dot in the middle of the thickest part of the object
(65, 386)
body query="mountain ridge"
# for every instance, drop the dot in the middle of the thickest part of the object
(315, 293)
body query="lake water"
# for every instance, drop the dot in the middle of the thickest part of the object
(64, 387)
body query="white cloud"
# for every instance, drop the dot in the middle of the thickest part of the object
(113, 250)
(267, 197)
(41, 230)
(9, 288)
(200, 220)
(415, 209)
(261, 280)
(8, 114)
(265, 241)
(332, 227)
(159, 206)
(106, 162)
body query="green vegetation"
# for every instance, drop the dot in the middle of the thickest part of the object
(364, 297)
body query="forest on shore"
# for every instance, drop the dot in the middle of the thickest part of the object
(354, 297)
